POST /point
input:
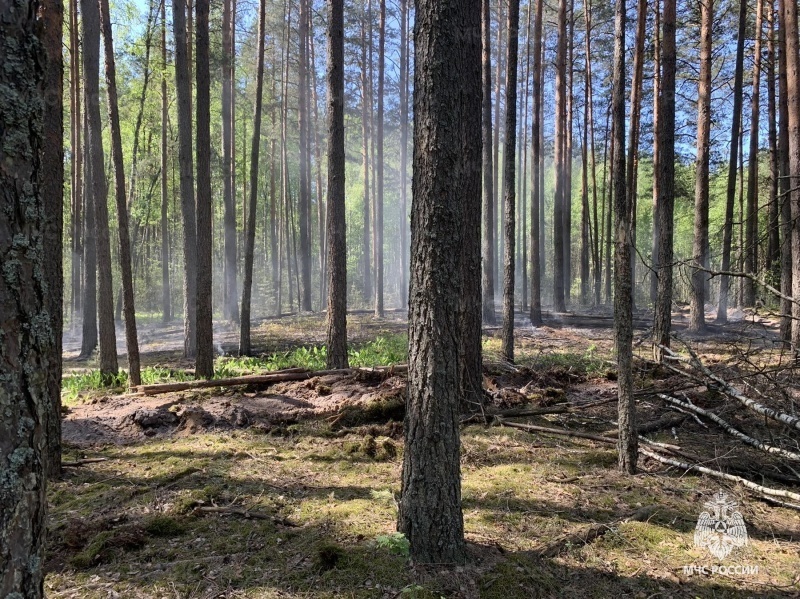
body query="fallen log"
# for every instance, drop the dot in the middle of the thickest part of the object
(717, 474)
(235, 511)
(291, 374)
(733, 392)
(760, 489)
(83, 462)
(667, 421)
(731, 430)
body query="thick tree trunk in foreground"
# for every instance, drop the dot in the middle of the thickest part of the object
(204, 364)
(27, 348)
(697, 320)
(736, 120)
(509, 179)
(96, 187)
(53, 193)
(662, 317)
(183, 91)
(337, 230)
(623, 288)
(250, 240)
(447, 116)
(131, 339)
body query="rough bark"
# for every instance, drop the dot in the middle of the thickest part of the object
(183, 91)
(131, 339)
(337, 229)
(656, 151)
(736, 120)
(623, 289)
(697, 320)
(509, 180)
(447, 151)
(29, 340)
(204, 363)
(773, 255)
(96, 187)
(52, 166)
(662, 317)
(76, 151)
(250, 239)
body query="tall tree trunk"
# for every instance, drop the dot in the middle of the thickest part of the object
(366, 102)
(585, 221)
(131, 339)
(509, 199)
(751, 223)
(497, 208)
(522, 262)
(183, 91)
(304, 195)
(28, 364)
(166, 296)
(76, 151)
(598, 271)
(404, 73)
(559, 304)
(321, 210)
(447, 88)
(96, 187)
(379, 310)
(627, 444)
(337, 228)
(785, 185)
(89, 322)
(632, 164)
(567, 195)
(662, 317)
(250, 241)
(656, 151)
(697, 320)
(230, 294)
(789, 10)
(537, 256)
(52, 168)
(736, 119)
(204, 363)
(487, 241)
(608, 190)
(773, 227)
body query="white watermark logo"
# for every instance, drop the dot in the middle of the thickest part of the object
(720, 527)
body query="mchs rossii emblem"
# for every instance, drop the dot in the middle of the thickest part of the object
(720, 527)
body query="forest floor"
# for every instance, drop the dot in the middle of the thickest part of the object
(289, 490)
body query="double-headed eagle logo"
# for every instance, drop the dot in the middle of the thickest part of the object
(721, 527)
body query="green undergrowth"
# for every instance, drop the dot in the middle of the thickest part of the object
(313, 515)
(385, 350)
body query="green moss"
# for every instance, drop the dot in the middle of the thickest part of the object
(164, 526)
